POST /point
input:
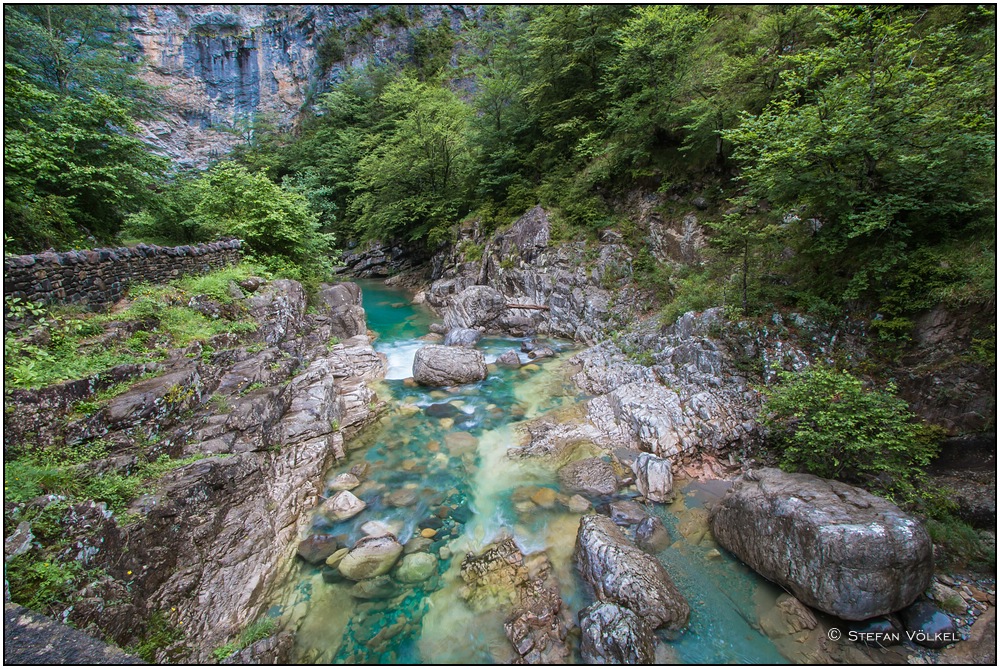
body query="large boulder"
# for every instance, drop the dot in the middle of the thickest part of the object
(371, 557)
(835, 547)
(622, 574)
(476, 306)
(653, 477)
(611, 634)
(448, 366)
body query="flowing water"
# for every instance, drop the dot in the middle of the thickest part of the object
(437, 464)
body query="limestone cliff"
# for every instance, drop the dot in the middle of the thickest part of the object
(219, 66)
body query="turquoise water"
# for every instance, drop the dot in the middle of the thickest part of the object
(437, 463)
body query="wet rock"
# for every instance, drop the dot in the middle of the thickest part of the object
(541, 352)
(835, 547)
(493, 578)
(417, 544)
(342, 506)
(336, 557)
(620, 573)
(797, 615)
(466, 337)
(880, 626)
(653, 477)
(448, 365)
(544, 497)
(317, 548)
(380, 587)
(927, 625)
(578, 504)
(509, 359)
(331, 575)
(611, 634)
(590, 476)
(416, 568)
(626, 512)
(651, 535)
(346, 481)
(370, 557)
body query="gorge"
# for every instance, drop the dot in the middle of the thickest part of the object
(455, 334)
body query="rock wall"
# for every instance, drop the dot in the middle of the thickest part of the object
(219, 66)
(101, 276)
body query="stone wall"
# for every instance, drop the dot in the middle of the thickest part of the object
(100, 277)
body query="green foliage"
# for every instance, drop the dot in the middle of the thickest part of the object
(413, 180)
(331, 50)
(261, 629)
(962, 545)
(826, 422)
(693, 290)
(160, 633)
(73, 166)
(44, 585)
(884, 133)
(272, 221)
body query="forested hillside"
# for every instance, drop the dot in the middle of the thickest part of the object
(845, 155)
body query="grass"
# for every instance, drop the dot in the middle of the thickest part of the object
(261, 629)
(59, 345)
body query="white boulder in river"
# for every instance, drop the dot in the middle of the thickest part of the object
(835, 547)
(448, 365)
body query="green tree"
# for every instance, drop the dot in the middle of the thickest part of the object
(72, 162)
(413, 180)
(277, 225)
(884, 136)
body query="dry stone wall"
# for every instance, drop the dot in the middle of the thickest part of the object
(99, 277)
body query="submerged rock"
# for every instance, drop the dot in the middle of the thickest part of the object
(612, 634)
(448, 365)
(835, 547)
(622, 574)
(371, 557)
(653, 477)
(317, 548)
(380, 587)
(626, 512)
(416, 568)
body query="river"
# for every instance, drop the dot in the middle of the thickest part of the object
(437, 462)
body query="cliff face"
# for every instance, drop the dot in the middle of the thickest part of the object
(220, 65)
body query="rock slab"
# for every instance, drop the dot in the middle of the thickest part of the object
(835, 547)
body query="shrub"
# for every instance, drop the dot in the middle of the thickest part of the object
(827, 423)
